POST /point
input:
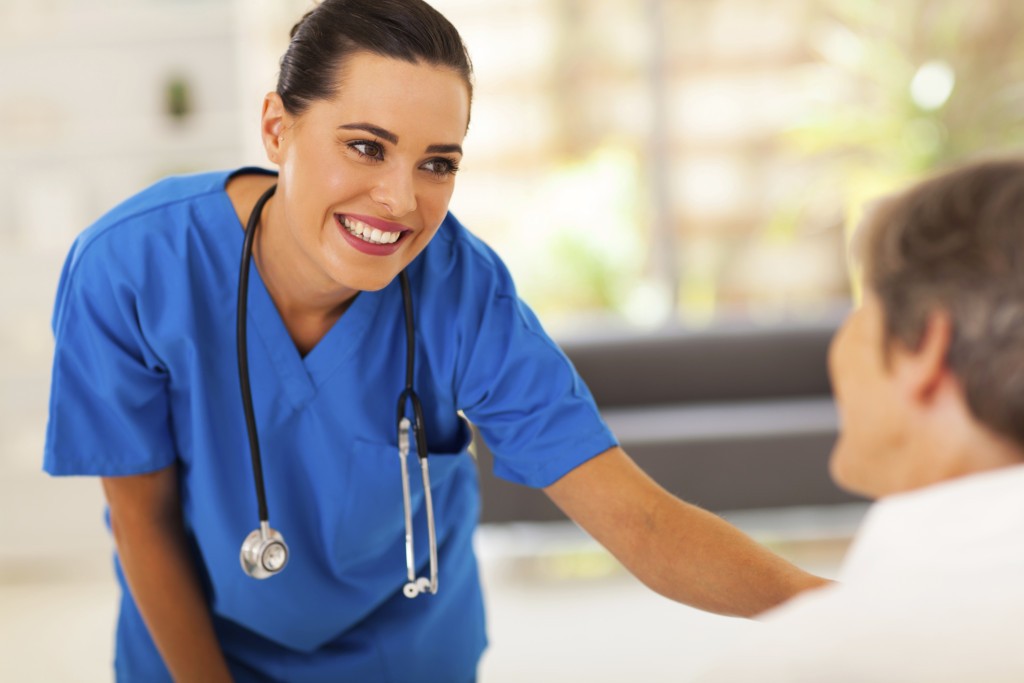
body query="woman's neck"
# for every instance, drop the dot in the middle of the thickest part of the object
(309, 304)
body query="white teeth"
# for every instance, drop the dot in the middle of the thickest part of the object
(369, 234)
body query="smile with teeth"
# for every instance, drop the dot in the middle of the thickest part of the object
(367, 233)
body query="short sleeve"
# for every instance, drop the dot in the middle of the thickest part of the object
(522, 392)
(108, 412)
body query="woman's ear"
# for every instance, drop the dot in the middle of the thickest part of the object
(921, 371)
(272, 126)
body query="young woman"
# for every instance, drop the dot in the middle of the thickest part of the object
(364, 289)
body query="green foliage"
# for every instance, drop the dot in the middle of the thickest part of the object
(878, 135)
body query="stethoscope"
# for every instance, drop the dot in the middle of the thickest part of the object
(264, 552)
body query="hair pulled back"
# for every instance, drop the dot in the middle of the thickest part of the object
(409, 30)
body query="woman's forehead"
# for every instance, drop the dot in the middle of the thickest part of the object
(400, 94)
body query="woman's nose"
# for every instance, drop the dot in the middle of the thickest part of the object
(395, 190)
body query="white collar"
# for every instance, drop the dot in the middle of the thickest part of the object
(964, 524)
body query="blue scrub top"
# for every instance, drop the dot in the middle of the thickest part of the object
(145, 375)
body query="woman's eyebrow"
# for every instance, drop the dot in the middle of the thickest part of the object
(379, 132)
(444, 149)
(372, 130)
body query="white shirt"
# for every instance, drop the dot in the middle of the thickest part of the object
(932, 590)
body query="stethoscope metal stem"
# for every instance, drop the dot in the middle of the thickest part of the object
(403, 456)
(415, 586)
(431, 532)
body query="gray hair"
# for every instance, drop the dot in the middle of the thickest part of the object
(956, 243)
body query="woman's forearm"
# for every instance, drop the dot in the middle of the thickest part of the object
(681, 551)
(695, 557)
(154, 555)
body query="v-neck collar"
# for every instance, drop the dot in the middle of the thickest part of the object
(300, 376)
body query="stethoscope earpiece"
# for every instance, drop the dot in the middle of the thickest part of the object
(418, 587)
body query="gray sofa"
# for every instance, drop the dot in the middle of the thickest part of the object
(731, 418)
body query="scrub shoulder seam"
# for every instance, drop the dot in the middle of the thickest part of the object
(103, 231)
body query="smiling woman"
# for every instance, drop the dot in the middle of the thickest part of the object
(379, 155)
(359, 266)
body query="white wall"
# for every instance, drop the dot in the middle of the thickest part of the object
(82, 104)
(84, 123)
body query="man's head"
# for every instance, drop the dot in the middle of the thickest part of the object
(929, 371)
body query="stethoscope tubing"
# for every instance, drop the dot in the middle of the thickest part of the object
(241, 337)
(264, 552)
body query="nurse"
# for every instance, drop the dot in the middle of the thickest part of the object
(365, 129)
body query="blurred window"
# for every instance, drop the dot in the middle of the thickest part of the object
(691, 161)
(636, 162)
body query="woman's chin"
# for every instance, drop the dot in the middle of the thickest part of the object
(367, 282)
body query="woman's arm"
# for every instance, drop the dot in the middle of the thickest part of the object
(145, 514)
(677, 549)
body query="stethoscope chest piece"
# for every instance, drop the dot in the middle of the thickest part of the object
(264, 552)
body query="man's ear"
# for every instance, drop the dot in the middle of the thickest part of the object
(273, 123)
(921, 371)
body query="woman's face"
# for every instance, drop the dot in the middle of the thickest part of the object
(366, 177)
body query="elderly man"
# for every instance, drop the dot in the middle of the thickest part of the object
(928, 375)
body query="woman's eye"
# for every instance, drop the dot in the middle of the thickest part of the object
(441, 167)
(366, 148)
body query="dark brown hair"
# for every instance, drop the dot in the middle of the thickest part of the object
(956, 243)
(410, 30)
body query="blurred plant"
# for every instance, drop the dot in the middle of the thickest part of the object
(177, 98)
(886, 92)
(918, 84)
(593, 249)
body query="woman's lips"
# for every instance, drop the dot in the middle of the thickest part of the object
(379, 233)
